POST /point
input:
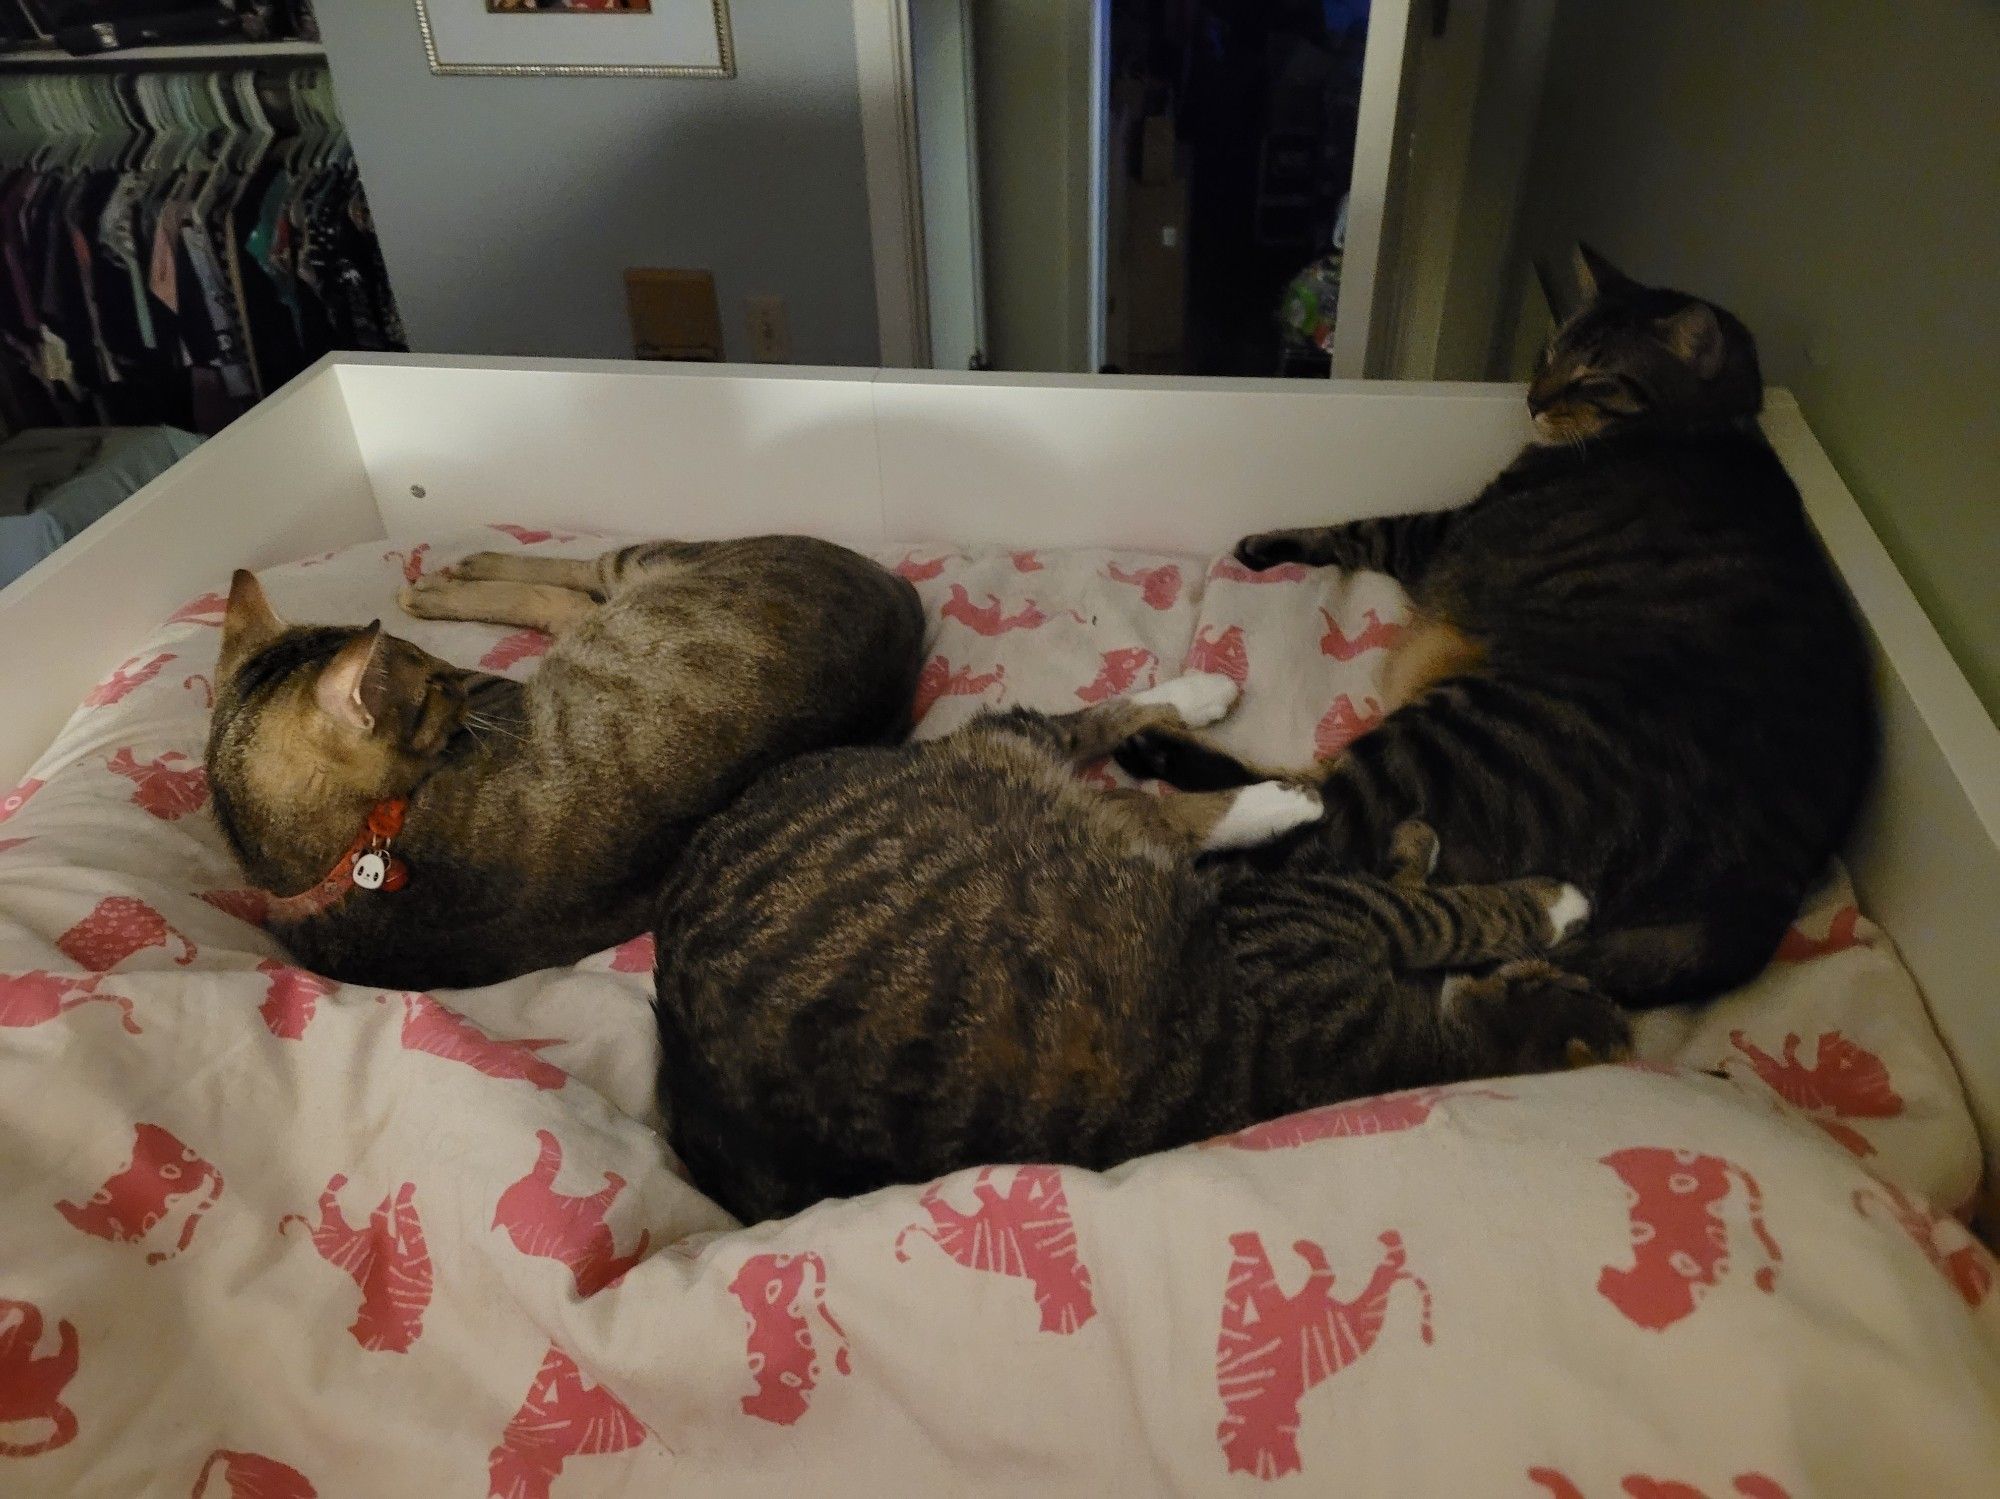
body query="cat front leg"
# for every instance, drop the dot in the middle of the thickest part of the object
(580, 574)
(1414, 926)
(1190, 701)
(1185, 761)
(537, 606)
(1399, 545)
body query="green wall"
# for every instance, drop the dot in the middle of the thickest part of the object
(1831, 172)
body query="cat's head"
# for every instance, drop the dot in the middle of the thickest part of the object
(316, 717)
(1633, 354)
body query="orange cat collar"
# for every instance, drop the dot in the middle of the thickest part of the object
(367, 864)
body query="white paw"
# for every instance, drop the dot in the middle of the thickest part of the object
(1262, 812)
(1568, 912)
(1200, 697)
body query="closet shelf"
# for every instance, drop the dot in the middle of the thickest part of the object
(198, 55)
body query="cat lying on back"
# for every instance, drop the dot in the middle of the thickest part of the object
(881, 965)
(511, 826)
(1629, 663)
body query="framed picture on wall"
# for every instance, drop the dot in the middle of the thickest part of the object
(577, 38)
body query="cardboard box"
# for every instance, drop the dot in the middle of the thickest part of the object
(674, 313)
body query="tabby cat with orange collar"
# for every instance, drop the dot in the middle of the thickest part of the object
(1629, 663)
(417, 825)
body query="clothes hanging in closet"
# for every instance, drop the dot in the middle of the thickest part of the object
(175, 246)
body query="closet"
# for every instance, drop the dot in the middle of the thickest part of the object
(179, 235)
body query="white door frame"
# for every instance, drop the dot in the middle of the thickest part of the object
(1365, 268)
(895, 193)
(1100, 176)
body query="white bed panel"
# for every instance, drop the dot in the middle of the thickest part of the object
(1173, 464)
(1926, 857)
(631, 448)
(284, 482)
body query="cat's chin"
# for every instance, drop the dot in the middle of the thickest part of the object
(1560, 425)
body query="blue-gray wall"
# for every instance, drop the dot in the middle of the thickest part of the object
(1829, 172)
(509, 207)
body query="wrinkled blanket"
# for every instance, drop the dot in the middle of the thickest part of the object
(262, 1234)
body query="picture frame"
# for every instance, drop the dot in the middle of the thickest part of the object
(670, 39)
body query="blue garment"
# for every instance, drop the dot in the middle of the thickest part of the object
(24, 541)
(126, 467)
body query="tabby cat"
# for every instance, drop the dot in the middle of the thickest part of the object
(505, 826)
(1629, 663)
(879, 965)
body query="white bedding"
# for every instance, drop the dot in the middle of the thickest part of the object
(265, 1235)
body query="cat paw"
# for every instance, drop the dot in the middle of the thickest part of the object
(1200, 697)
(1259, 813)
(1578, 1052)
(476, 567)
(1599, 1032)
(1182, 761)
(1148, 756)
(1544, 1018)
(1413, 851)
(424, 598)
(1269, 549)
(1567, 908)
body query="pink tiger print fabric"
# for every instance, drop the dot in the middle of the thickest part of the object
(270, 1236)
(386, 1258)
(1025, 1232)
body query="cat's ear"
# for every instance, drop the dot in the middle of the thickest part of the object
(1595, 275)
(351, 687)
(248, 624)
(1694, 334)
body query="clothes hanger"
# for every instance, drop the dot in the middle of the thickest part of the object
(110, 128)
(219, 144)
(137, 128)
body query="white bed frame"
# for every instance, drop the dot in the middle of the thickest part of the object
(366, 446)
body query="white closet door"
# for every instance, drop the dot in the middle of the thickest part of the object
(948, 164)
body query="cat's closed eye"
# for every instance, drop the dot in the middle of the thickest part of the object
(1609, 388)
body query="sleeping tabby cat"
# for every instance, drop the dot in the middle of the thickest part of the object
(1629, 663)
(879, 965)
(537, 819)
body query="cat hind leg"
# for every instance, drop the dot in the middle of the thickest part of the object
(1544, 1018)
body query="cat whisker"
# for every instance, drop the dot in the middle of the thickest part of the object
(478, 721)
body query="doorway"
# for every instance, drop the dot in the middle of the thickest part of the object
(1194, 187)
(1233, 127)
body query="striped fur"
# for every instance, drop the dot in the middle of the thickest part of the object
(1658, 689)
(878, 965)
(543, 814)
